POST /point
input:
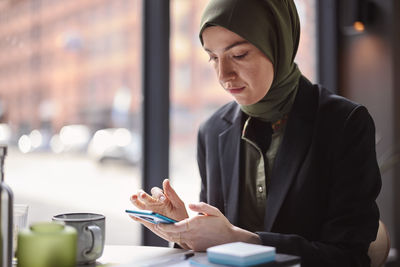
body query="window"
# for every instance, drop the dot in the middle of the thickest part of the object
(70, 93)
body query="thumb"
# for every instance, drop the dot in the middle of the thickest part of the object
(170, 192)
(205, 209)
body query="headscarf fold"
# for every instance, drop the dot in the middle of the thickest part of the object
(273, 27)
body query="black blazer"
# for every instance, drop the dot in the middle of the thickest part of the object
(324, 182)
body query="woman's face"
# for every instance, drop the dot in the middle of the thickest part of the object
(242, 69)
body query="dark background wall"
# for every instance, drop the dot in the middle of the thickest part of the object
(396, 121)
(369, 70)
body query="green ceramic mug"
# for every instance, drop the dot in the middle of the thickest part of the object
(47, 244)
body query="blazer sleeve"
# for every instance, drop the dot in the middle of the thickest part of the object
(351, 220)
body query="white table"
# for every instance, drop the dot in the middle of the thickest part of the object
(115, 255)
(129, 256)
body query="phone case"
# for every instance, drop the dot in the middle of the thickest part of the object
(150, 216)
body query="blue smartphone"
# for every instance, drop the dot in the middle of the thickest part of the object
(150, 216)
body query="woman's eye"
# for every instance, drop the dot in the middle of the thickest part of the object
(241, 56)
(212, 58)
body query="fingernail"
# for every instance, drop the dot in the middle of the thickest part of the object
(142, 195)
(134, 197)
(162, 198)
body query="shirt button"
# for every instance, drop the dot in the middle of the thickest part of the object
(260, 189)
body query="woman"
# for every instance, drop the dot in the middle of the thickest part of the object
(287, 164)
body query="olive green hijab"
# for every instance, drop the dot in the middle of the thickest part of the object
(273, 27)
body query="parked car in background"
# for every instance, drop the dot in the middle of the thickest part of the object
(71, 138)
(36, 140)
(116, 144)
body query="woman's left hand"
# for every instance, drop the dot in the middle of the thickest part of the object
(204, 231)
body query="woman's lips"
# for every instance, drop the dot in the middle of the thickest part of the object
(235, 90)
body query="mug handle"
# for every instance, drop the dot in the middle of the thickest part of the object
(97, 237)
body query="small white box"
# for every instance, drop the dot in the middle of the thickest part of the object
(240, 254)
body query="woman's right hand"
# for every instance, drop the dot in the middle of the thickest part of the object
(165, 202)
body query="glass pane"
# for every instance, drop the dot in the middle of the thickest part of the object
(70, 97)
(307, 53)
(196, 93)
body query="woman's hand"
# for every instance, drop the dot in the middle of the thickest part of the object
(153, 227)
(203, 231)
(166, 202)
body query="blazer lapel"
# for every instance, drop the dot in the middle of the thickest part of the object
(294, 146)
(229, 155)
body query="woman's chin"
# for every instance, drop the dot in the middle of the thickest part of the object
(245, 102)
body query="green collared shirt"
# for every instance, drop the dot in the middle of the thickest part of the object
(255, 175)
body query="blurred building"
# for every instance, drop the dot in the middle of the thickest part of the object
(67, 62)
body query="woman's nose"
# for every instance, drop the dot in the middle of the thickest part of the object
(226, 71)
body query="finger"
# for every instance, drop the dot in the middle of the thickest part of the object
(205, 209)
(178, 227)
(184, 245)
(133, 198)
(143, 196)
(144, 222)
(139, 204)
(170, 192)
(152, 227)
(157, 193)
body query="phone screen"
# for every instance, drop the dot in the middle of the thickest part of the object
(150, 216)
